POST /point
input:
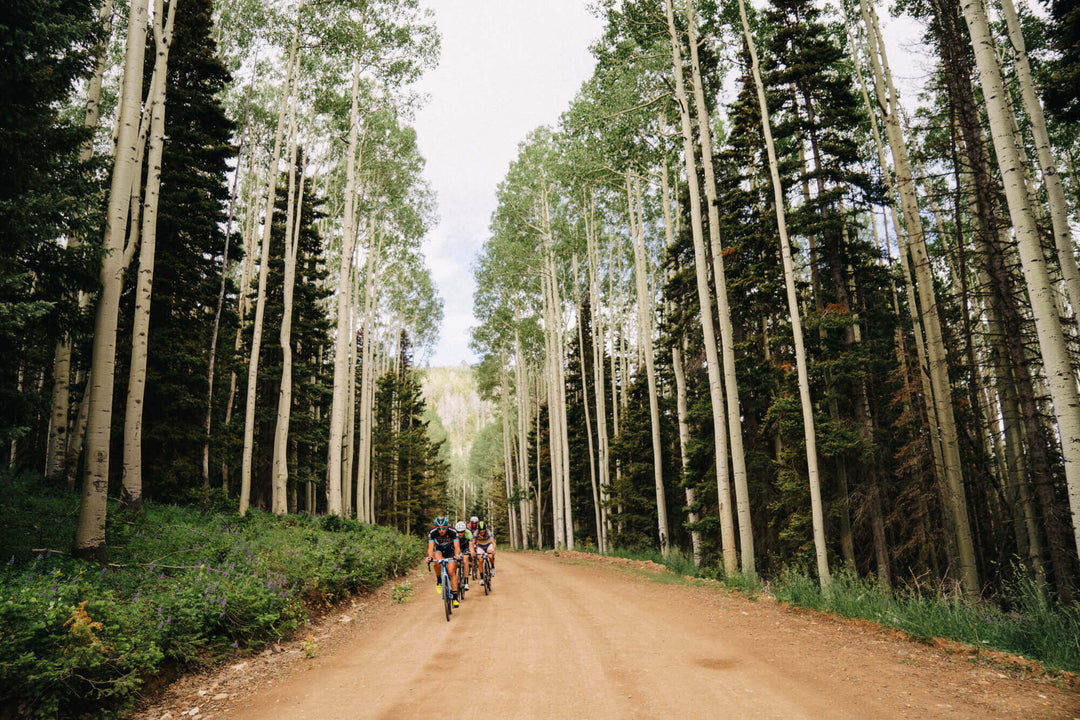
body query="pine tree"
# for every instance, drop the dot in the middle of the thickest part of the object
(191, 221)
(46, 195)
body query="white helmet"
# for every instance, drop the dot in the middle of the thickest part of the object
(460, 526)
(474, 519)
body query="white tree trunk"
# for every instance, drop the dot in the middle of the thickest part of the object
(598, 381)
(935, 347)
(727, 342)
(796, 320)
(344, 335)
(61, 395)
(90, 533)
(645, 332)
(723, 483)
(1059, 372)
(264, 263)
(131, 489)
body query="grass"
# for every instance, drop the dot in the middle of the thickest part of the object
(183, 588)
(1034, 628)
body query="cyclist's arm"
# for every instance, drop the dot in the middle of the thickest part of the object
(457, 547)
(430, 550)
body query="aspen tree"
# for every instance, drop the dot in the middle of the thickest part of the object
(131, 489)
(680, 380)
(727, 342)
(59, 435)
(1059, 207)
(637, 231)
(243, 298)
(585, 400)
(280, 468)
(727, 528)
(264, 263)
(1062, 379)
(931, 324)
(524, 418)
(344, 335)
(90, 533)
(796, 320)
(598, 374)
(245, 142)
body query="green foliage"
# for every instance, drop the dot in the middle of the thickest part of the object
(184, 587)
(402, 592)
(48, 197)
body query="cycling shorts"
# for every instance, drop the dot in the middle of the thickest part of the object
(485, 547)
(447, 551)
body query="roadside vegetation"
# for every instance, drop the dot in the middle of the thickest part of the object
(1028, 623)
(183, 587)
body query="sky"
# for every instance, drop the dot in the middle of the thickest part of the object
(507, 67)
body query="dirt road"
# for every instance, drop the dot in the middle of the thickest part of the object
(570, 637)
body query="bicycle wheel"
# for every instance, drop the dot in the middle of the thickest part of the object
(446, 595)
(460, 583)
(487, 577)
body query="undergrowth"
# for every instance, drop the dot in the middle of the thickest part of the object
(182, 587)
(1034, 627)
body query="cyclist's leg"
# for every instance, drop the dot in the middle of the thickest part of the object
(451, 569)
(437, 570)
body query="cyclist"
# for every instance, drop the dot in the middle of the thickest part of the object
(484, 541)
(472, 526)
(443, 543)
(465, 540)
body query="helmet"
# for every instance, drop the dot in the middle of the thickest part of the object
(442, 521)
(460, 527)
(474, 519)
(482, 525)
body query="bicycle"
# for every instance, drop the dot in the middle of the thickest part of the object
(474, 567)
(444, 582)
(485, 572)
(461, 580)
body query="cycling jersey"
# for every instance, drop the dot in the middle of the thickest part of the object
(465, 537)
(444, 540)
(484, 536)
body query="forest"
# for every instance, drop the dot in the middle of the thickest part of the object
(739, 304)
(738, 307)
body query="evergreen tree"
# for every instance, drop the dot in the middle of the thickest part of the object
(1061, 89)
(191, 239)
(817, 121)
(46, 197)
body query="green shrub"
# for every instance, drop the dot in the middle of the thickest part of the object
(183, 586)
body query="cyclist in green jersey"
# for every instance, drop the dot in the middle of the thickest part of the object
(465, 538)
(484, 540)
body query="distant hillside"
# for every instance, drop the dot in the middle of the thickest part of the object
(451, 393)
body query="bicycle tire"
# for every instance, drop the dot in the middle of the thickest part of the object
(446, 595)
(487, 576)
(460, 583)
